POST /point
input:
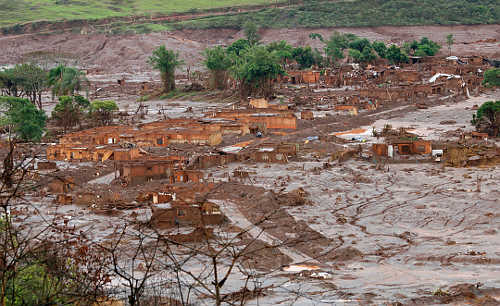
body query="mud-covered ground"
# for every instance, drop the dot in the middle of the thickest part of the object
(129, 53)
(395, 234)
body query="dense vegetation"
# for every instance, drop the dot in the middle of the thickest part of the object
(306, 13)
(492, 77)
(316, 14)
(21, 118)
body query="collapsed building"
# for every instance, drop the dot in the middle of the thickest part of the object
(352, 88)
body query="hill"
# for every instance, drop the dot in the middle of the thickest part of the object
(22, 11)
(152, 15)
(359, 13)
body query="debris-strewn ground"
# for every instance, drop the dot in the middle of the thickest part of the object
(129, 53)
(331, 225)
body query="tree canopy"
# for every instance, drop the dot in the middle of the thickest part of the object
(23, 118)
(256, 69)
(166, 61)
(24, 80)
(101, 111)
(251, 32)
(492, 77)
(396, 56)
(69, 111)
(66, 81)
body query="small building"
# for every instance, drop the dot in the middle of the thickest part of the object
(307, 115)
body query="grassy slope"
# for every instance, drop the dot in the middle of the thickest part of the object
(363, 13)
(20, 11)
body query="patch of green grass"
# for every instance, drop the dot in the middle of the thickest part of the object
(321, 14)
(21, 11)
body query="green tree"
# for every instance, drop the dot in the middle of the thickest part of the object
(424, 47)
(11, 83)
(22, 118)
(282, 49)
(355, 55)
(396, 56)
(25, 80)
(69, 111)
(238, 46)
(492, 77)
(251, 32)
(316, 36)
(335, 46)
(304, 56)
(166, 61)
(450, 41)
(218, 62)
(319, 60)
(380, 48)
(102, 111)
(360, 44)
(66, 81)
(255, 70)
(368, 55)
(487, 118)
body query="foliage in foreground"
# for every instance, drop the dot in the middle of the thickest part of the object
(22, 118)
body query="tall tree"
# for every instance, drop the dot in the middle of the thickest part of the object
(396, 56)
(67, 81)
(251, 33)
(380, 48)
(304, 56)
(255, 70)
(218, 62)
(282, 49)
(33, 82)
(166, 61)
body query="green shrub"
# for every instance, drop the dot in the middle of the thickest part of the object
(492, 77)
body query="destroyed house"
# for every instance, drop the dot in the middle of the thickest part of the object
(269, 153)
(179, 215)
(153, 134)
(300, 77)
(132, 173)
(212, 160)
(61, 185)
(139, 172)
(402, 147)
(91, 153)
(272, 119)
(413, 147)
